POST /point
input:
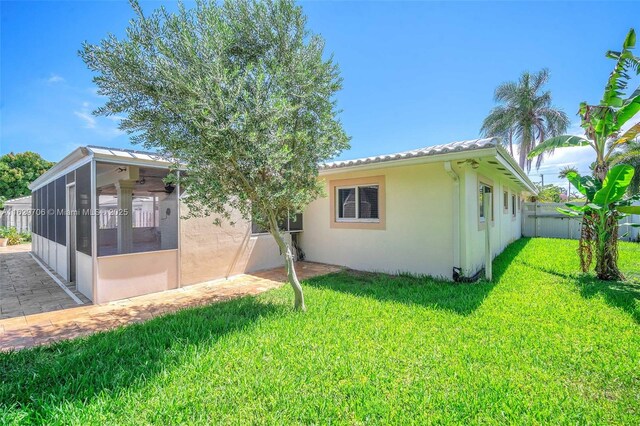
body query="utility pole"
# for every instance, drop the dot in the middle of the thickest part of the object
(542, 176)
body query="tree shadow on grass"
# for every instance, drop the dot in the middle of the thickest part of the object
(78, 370)
(618, 294)
(460, 298)
(623, 295)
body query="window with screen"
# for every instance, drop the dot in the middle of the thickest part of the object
(505, 201)
(43, 212)
(483, 191)
(293, 224)
(34, 205)
(61, 223)
(137, 210)
(33, 209)
(51, 211)
(513, 205)
(357, 203)
(83, 209)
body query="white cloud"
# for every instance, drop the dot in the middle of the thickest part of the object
(579, 157)
(102, 126)
(89, 120)
(55, 78)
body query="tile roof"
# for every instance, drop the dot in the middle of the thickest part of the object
(459, 146)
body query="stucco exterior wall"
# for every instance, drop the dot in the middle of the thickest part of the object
(135, 274)
(504, 228)
(209, 251)
(417, 234)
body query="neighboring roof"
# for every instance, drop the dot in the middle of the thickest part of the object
(460, 146)
(26, 198)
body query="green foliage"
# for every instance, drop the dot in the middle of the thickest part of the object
(549, 193)
(608, 195)
(240, 93)
(563, 141)
(526, 114)
(602, 123)
(629, 153)
(614, 185)
(603, 126)
(11, 234)
(604, 206)
(542, 345)
(17, 171)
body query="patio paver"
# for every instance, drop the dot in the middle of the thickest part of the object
(26, 288)
(42, 328)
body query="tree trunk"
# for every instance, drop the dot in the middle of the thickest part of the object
(289, 264)
(607, 250)
(511, 142)
(587, 238)
(600, 171)
(606, 233)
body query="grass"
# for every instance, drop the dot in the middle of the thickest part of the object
(543, 344)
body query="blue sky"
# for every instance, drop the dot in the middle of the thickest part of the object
(415, 73)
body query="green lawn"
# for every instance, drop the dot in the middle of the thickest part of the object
(543, 344)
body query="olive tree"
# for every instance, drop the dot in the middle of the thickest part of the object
(239, 93)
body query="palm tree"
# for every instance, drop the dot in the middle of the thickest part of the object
(629, 154)
(564, 173)
(526, 116)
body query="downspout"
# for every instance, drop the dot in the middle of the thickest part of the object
(179, 229)
(488, 252)
(457, 269)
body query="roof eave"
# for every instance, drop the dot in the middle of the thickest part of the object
(74, 157)
(502, 153)
(435, 158)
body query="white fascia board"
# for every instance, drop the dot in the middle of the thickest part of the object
(510, 164)
(163, 164)
(438, 158)
(79, 157)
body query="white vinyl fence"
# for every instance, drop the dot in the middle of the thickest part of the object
(11, 217)
(544, 220)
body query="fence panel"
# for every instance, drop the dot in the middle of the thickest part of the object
(544, 220)
(15, 218)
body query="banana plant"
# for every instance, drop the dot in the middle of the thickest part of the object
(604, 130)
(603, 123)
(605, 205)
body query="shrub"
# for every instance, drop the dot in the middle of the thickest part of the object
(11, 234)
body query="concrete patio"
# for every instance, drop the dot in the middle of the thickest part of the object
(26, 288)
(72, 320)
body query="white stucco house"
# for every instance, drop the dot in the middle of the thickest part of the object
(106, 220)
(428, 216)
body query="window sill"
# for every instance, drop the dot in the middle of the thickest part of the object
(357, 220)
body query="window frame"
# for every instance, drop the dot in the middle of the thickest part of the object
(505, 201)
(514, 211)
(373, 224)
(482, 220)
(355, 219)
